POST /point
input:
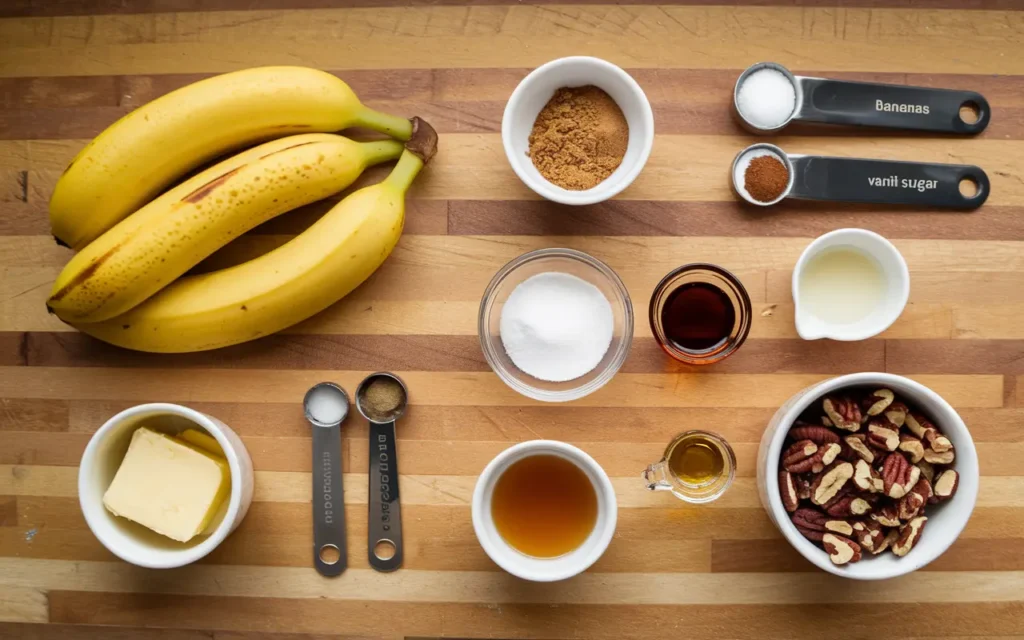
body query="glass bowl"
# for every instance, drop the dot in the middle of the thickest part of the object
(719, 278)
(574, 263)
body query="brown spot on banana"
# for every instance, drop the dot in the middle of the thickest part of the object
(82, 276)
(208, 188)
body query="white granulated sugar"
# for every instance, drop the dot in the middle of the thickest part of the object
(766, 98)
(556, 327)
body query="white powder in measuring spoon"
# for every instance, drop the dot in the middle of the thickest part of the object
(556, 327)
(766, 98)
(326, 404)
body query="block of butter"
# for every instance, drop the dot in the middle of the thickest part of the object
(168, 485)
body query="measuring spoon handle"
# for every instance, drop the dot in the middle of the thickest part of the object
(385, 510)
(328, 500)
(890, 106)
(886, 182)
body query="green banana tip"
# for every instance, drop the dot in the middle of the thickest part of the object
(423, 142)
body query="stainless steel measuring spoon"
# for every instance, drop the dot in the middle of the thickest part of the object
(385, 519)
(874, 104)
(923, 184)
(326, 406)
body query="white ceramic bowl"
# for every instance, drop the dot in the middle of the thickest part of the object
(534, 92)
(945, 521)
(130, 541)
(544, 569)
(894, 270)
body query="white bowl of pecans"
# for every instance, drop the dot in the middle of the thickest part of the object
(869, 475)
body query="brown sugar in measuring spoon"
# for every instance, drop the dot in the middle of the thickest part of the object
(382, 399)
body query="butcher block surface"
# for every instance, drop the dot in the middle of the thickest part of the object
(69, 69)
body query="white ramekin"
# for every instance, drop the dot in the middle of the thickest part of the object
(894, 270)
(534, 92)
(130, 541)
(544, 569)
(945, 521)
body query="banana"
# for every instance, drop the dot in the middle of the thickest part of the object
(138, 156)
(161, 241)
(285, 286)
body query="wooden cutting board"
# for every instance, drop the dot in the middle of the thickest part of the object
(68, 69)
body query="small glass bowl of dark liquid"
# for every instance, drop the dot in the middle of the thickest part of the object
(700, 314)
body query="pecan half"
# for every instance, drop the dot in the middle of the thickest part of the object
(787, 489)
(945, 485)
(912, 446)
(858, 444)
(923, 428)
(830, 481)
(939, 457)
(810, 523)
(878, 402)
(816, 434)
(846, 505)
(882, 434)
(869, 534)
(898, 475)
(911, 504)
(910, 533)
(865, 478)
(927, 470)
(798, 458)
(890, 537)
(841, 550)
(887, 516)
(896, 413)
(843, 412)
(839, 525)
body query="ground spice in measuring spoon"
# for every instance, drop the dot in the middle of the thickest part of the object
(579, 138)
(766, 178)
(382, 397)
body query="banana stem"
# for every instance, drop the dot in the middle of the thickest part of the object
(385, 123)
(405, 171)
(381, 151)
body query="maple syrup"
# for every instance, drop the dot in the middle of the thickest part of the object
(698, 316)
(544, 506)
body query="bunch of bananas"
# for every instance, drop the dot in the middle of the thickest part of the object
(125, 284)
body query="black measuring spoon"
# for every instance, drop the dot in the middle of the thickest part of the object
(385, 519)
(873, 104)
(922, 184)
(326, 407)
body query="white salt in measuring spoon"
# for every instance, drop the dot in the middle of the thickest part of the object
(326, 406)
(862, 103)
(923, 184)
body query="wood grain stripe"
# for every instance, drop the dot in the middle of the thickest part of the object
(516, 37)
(428, 551)
(472, 166)
(771, 556)
(685, 101)
(471, 423)
(54, 631)
(23, 605)
(484, 587)
(23, 8)
(534, 621)
(462, 353)
(452, 389)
